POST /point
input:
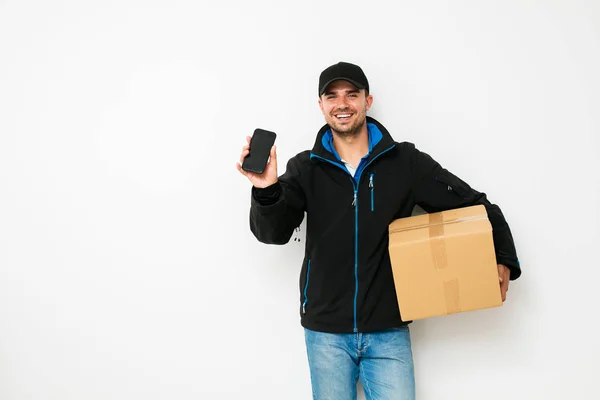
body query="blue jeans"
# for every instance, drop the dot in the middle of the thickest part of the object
(381, 360)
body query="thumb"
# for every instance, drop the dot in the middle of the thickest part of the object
(274, 153)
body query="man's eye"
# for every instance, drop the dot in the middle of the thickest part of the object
(352, 94)
(330, 97)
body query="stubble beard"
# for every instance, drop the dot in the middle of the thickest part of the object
(348, 131)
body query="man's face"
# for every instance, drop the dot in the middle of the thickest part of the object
(345, 107)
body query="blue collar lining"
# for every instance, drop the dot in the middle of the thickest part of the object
(375, 137)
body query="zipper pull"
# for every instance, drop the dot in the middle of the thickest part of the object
(372, 187)
(303, 309)
(354, 201)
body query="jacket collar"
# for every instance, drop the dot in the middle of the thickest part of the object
(379, 141)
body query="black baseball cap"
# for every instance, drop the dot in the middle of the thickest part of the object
(345, 71)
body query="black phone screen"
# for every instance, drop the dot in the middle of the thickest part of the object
(260, 149)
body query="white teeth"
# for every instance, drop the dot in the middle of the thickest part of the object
(343, 115)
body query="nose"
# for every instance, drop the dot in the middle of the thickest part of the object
(341, 102)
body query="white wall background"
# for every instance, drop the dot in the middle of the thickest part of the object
(127, 269)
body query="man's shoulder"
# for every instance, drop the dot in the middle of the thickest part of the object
(300, 162)
(407, 146)
(301, 158)
(403, 149)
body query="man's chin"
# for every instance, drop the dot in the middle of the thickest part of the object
(346, 130)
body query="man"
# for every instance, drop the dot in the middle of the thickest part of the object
(354, 182)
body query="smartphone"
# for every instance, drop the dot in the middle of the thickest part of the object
(260, 149)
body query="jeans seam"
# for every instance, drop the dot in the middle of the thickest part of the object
(366, 387)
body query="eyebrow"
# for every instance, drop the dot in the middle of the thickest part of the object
(347, 91)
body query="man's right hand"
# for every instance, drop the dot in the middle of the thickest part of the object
(268, 177)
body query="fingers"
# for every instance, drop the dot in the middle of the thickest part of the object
(243, 155)
(504, 289)
(500, 273)
(504, 279)
(503, 273)
(245, 152)
(504, 282)
(246, 148)
(249, 175)
(239, 168)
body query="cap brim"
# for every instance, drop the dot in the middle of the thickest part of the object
(358, 85)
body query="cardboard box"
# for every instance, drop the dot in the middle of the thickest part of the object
(444, 263)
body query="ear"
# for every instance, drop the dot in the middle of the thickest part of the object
(320, 104)
(369, 101)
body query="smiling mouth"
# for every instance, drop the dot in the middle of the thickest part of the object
(343, 116)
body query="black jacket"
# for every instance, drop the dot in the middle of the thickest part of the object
(346, 282)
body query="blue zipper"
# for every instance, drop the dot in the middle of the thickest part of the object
(355, 184)
(355, 204)
(372, 186)
(306, 287)
(356, 232)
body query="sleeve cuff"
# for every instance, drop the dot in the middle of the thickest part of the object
(515, 268)
(267, 196)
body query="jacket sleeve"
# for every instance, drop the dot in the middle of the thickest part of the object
(436, 189)
(277, 210)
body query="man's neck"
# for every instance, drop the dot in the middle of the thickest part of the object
(352, 149)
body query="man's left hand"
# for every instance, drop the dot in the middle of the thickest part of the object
(504, 277)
